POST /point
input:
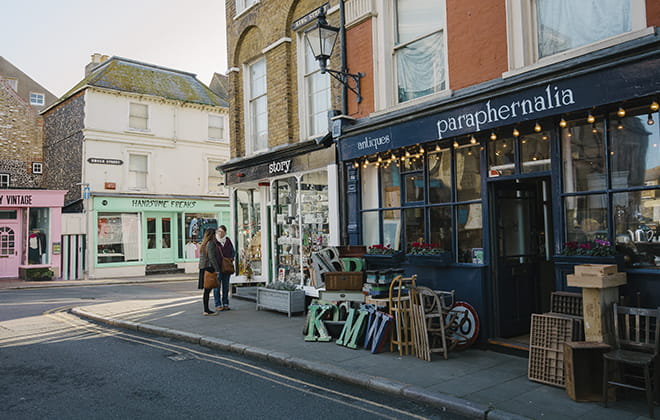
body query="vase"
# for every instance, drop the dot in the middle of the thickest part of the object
(439, 260)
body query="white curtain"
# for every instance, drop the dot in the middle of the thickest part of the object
(420, 67)
(567, 24)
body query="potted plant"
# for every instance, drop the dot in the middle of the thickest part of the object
(598, 251)
(380, 256)
(282, 297)
(422, 254)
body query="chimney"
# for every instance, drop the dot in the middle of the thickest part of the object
(97, 59)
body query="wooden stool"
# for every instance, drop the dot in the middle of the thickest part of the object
(400, 308)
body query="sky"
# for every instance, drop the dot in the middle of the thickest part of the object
(52, 40)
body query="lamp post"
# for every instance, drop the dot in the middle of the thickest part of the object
(321, 38)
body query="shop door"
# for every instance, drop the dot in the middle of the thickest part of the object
(10, 245)
(159, 238)
(519, 234)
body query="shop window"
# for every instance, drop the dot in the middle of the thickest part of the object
(583, 156)
(468, 173)
(7, 241)
(415, 223)
(501, 157)
(419, 48)
(392, 228)
(535, 152)
(248, 220)
(315, 224)
(439, 175)
(216, 127)
(38, 239)
(287, 230)
(37, 99)
(118, 237)
(634, 149)
(193, 226)
(138, 170)
(257, 107)
(369, 180)
(542, 29)
(315, 95)
(4, 180)
(8, 214)
(371, 228)
(413, 185)
(441, 226)
(469, 228)
(637, 227)
(138, 118)
(586, 217)
(390, 181)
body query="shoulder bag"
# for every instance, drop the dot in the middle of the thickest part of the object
(226, 263)
(211, 280)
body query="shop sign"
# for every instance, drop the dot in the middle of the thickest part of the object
(581, 92)
(17, 200)
(103, 161)
(153, 203)
(281, 167)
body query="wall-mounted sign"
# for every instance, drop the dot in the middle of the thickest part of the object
(297, 24)
(57, 248)
(15, 199)
(110, 186)
(104, 161)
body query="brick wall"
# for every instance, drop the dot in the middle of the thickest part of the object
(21, 139)
(359, 58)
(476, 41)
(653, 12)
(63, 137)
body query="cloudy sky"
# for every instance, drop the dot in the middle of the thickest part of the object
(52, 40)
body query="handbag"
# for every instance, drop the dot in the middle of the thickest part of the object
(226, 263)
(211, 280)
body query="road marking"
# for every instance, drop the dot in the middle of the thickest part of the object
(244, 367)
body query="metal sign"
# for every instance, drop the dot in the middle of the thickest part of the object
(104, 161)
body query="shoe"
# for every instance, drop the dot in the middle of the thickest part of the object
(226, 308)
(206, 313)
(219, 308)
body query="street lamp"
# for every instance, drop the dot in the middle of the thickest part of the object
(322, 38)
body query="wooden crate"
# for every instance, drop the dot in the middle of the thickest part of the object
(595, 281)
(548, 333)
(343, 280)
(583, 369)
(595, 269)
(566, 303)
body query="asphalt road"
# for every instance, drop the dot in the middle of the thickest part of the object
(56, 365)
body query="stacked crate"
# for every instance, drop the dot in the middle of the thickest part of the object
(548, 333)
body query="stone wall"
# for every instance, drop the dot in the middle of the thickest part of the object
(20, 139)
(63, 138)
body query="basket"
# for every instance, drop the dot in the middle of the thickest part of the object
(343, 280)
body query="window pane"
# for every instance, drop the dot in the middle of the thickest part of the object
(440, 227)
(216, 126)
(138, 163)
(118, 237)
(501, 160)
(370, 228)
(415, 226)
(369, 178)
(637, 226)
(138, 116)
(248, 217)
(440, 176)
(420, 67)
(586, 217)
(414, 187)
(470, 233)
(583, 157)
(392, 228)
(535, 152)
(418, 17)
(468, 174)
(391, 186)
(38, 237)
(567, 24)
(634, 150)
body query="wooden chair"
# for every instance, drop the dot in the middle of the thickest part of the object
(430, 327)
(400, 308)
(637, 341)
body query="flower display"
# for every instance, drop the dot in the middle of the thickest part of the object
(595, 248)
(379, 249)
(421, 248)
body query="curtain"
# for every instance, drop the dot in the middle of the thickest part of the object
(420, 67)
(567, 24)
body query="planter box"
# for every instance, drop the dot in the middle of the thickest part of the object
(384, 261)
(441, 260)
(281, 300)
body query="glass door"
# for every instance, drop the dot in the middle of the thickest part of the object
(159, 238)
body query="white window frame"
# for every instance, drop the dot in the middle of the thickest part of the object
(304, 106)
(250, 146)
(522, 36)
(13, 82)
(219, 188)
(5, 180)
(37, 168)
(131, 186)
(385, 81)
(243, 5)
(130, 116)
(38, 99)
(221, 127)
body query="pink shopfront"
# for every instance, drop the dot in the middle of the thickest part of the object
(30, 231)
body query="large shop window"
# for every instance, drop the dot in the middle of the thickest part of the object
(118, 237)
(38, 235)
(193, 227)
(301, 216)
(611, 172)
(248, 214)
(419, 48)
(441, 195)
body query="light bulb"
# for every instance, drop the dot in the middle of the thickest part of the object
(562, 123)
(621, 112)
(654, 106)
(473, 140)
(421, 149)
(493, 136)
(591, 119)
(380, 159)
(516, 133)
(594, 129)
(538, 127)
(455, 144)
(437, 148)
(619, 125)
(356, 165)
(650, 120)
(407, 153)
(393, 157)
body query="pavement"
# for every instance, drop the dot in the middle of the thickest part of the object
(475, 383)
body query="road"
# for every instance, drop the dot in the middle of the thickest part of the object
(56, 365)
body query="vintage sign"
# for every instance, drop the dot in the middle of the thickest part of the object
(15, 199)
(104, 161)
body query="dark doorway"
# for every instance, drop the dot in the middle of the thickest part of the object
(521, 225)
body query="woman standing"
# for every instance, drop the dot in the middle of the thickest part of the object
(224, 249)
(205, 264)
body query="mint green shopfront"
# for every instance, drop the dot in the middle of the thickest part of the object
(129, 235)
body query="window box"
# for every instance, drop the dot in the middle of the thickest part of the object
(440, 260)
(287, 301)
(384, 260)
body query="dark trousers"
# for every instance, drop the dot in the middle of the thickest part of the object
(207, 294)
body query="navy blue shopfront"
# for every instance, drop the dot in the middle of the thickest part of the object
(503, 175)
